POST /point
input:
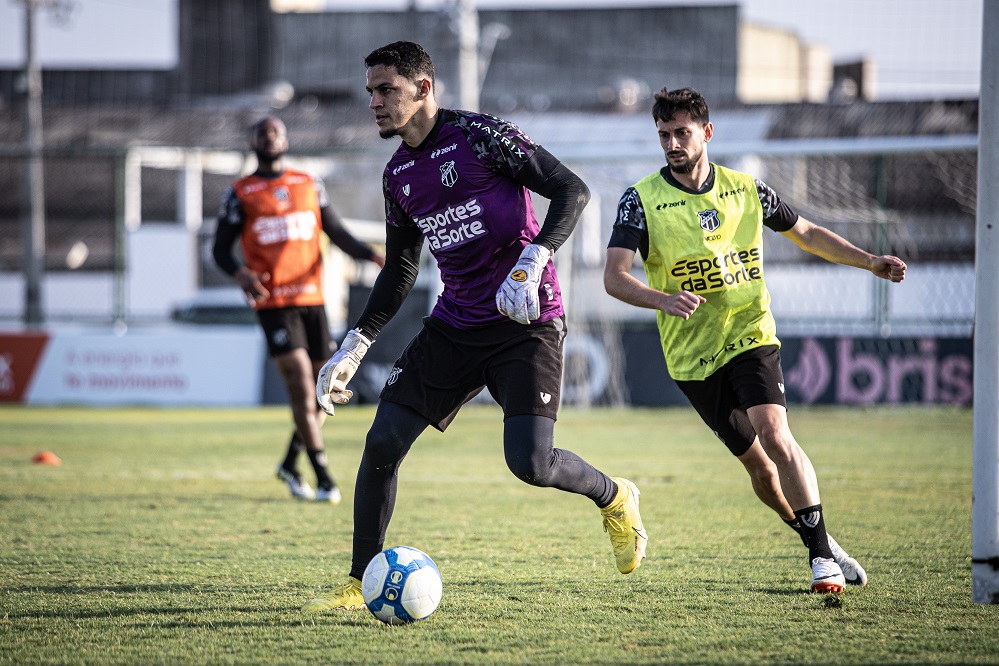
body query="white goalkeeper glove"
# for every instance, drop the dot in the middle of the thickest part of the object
(517, 297)
(331, 387)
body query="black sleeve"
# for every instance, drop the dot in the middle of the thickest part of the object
(630, 238)
(568, 194)
(227, 232)
(777, 215)
(631, 229)
(395, 281)
(339, 236)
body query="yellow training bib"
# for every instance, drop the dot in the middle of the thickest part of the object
(709, 244)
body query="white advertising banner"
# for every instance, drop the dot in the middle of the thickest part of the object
(203, 366)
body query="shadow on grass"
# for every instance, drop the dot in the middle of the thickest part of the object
(135, 612)
(355, 618)
(186, 617)
(786, 591)
(153, 500)
(151, 588)
(218, 594)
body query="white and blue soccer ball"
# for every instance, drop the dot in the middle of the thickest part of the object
(402, 585)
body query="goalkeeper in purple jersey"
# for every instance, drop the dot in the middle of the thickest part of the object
(460, 184)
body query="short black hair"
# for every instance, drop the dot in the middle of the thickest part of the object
(255, 127)
(409, 59)
(668, 102)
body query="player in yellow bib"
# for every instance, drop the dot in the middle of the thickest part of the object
(699, 229)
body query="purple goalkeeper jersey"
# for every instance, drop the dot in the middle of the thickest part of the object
(458, 188)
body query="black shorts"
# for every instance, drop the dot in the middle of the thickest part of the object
(444, 367)
(750, 379)
(300, 327)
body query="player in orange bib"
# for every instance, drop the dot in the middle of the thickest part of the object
(278, 215)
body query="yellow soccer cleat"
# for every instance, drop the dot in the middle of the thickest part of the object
(624, 525)
(346, 596)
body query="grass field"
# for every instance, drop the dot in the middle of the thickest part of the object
(164, 538)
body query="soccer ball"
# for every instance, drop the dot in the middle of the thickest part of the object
(401, 585)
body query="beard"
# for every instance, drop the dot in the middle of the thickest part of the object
(388, 132)
(687, 165)
(268, 155)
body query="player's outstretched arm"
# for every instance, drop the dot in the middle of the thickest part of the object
(888, 267)
(832, 247)
(622, 285)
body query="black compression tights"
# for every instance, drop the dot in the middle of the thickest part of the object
(530, 455)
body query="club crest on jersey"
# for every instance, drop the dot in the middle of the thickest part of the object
(405, 189)
(394, 375)
(708, 219)
(449, 175)
(281, 194)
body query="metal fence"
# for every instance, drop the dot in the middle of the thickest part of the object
(917, 204)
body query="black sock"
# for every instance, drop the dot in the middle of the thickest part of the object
(291, 457)
(796, 526)
(323, 478)
(813, 531)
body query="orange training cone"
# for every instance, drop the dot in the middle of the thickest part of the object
(46, 458)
